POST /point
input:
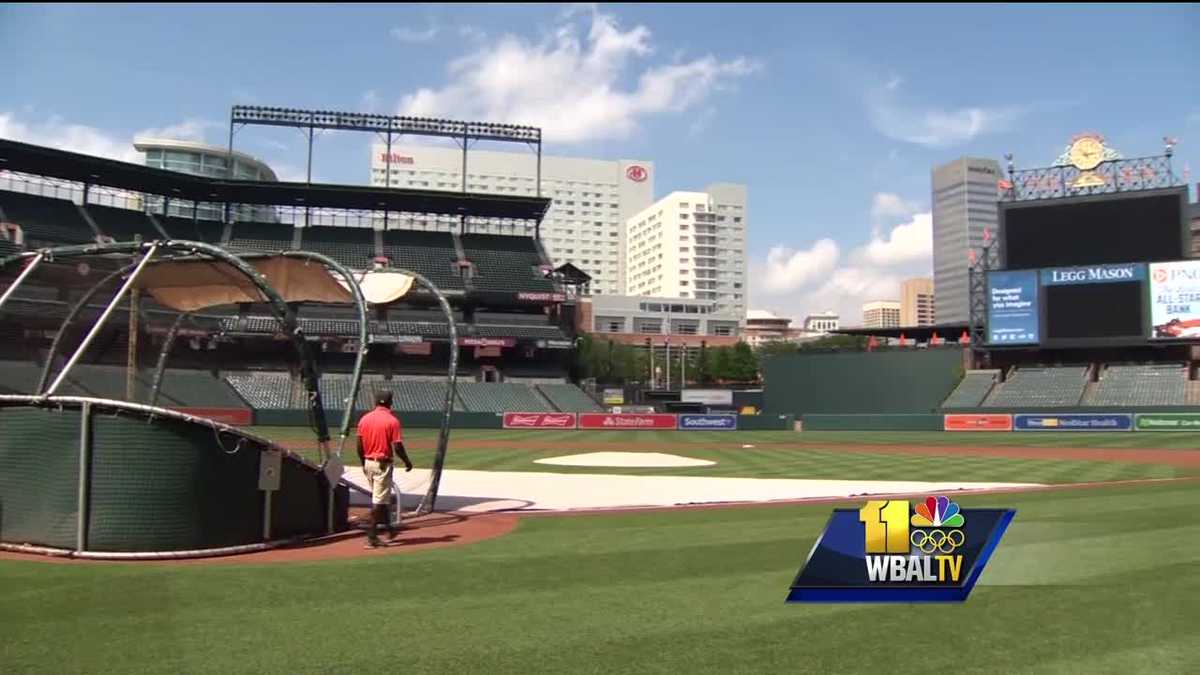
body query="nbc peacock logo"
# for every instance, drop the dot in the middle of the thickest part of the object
(937, 512)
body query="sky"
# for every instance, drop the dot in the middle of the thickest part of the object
(833, 116)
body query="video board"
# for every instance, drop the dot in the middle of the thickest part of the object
(1094, 305)
(1106, 229)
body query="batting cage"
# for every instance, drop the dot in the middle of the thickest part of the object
(90, 475)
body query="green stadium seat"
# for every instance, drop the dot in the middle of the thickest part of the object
(353, 247)
(569, 398)
(252, 237)
(46, 221)
(431, 254)
(123, 224)
(506, 263)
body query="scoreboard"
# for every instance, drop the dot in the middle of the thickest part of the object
(1094, 305)
(1101, 270)
(1147, 227)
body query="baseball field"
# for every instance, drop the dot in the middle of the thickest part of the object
(1099, 573)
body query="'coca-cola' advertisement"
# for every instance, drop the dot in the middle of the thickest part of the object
(518, 420)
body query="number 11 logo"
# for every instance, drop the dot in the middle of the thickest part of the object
(886, 524)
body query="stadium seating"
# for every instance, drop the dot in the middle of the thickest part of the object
(569, 398)
(268, 237)
(46, 221)
(431, 254)
(1039, 387)
(415, 395)
(423, 328)
(501, 397)
(1145, 385)
(264, 390)
(123, 224)
(505, 263)
(207, 231)
(354, 247)
(199, 389)
(533, 332)
(972, 390)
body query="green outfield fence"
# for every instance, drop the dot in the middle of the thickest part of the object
(860, 383)
(110, 478)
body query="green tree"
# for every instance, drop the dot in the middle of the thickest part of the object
(704, 365)
(721, 370)
(847, 342)
(776, 347)
(743, 363)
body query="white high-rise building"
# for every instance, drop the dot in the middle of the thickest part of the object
(881, 314)
(691, 245)
(592, 198)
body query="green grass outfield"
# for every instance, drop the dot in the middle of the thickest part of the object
(820, 458)
(1095, 580)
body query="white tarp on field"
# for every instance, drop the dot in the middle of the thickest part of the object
(479, 491)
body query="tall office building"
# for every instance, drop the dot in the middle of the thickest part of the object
(916, 302)
(964, 204)
(691, 245)
(592, 198)
(881, 314)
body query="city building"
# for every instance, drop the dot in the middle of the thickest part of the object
(824, 322)
(631, 320)
(881, 314)
(690, 245)
(964, 205)
(206, 160)
(916, 302)
(763, 326)
(592, 198)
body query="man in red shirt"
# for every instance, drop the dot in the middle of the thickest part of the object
(379, 436)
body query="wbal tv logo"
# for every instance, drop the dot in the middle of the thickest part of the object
(894, 551)
(927, 547)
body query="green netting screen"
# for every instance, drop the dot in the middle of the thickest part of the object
(39, 476)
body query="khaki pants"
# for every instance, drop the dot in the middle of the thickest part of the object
(379, 478)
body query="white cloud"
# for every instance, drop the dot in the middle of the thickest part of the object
(799, 282)
(905, 243)
(411, 35)
(787, 269)
(54, 132)
(934, 126)
(887, 205)
(571, 84)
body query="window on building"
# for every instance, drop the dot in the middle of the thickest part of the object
(683, 216)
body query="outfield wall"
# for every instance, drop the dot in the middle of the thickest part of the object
(1019, 421)
(477, 420)
(860, 383)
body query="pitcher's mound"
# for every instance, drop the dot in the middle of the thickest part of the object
(625, 459)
